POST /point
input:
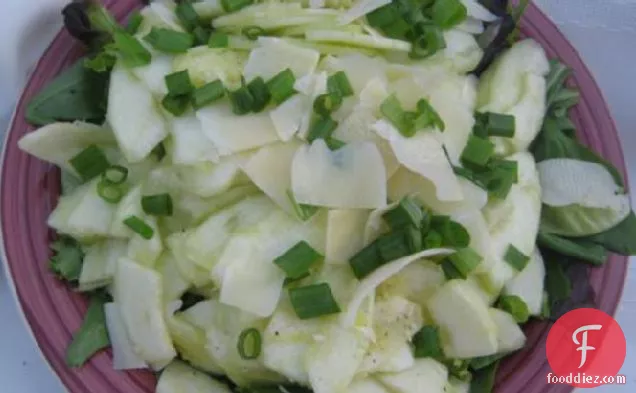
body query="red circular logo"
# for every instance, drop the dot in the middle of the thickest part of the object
(585, 348)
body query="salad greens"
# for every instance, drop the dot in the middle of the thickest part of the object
(333, 196)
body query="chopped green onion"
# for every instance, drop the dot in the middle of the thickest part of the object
(448, 13)
(249, 344)
(500, 125)
(383, 16)
(303, 212)
(407, 212)
(414, 239)
(134, 22)
(500, 177)
(430, 41)
(177, 105)
(111, 193)
(218, 40)
(321, 128)
(392, 110)
(334, 144)
(187, 15)
(465, 261)
(138, 226)
(432, 240)
(258, 89)
(516, 258)
(428, 116)
(427, 344)
(478, 151)
(453, 233)
(281, 86)
(242, 101)
(458, 369)
(89, 163)
(230, 6)
(169, 41)
(253, 32)
(207, 94)
(392, 246)
(366, 261)
(133, 54)
(514, 306)
(157, 205)
(398, 30)
(325, 104)
(296, 261)
(339, 84)
(450, 271)
(313, 301)
(115, 174)
(201, 35)
(179, 83)
(480, 128)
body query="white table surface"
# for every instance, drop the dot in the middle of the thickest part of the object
(604, 32)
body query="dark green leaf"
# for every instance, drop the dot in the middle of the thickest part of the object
(621, 239)
(68, 258)
(91, 337)
(484, 380)
(76, 94)
(578, 248)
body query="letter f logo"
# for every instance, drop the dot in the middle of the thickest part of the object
(583, 344)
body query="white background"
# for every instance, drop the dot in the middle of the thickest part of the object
(604, 32)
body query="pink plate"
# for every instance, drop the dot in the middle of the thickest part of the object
(30, 189)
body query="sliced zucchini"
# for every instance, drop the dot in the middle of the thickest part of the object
(274, 55)
(190, 341)
(345, 233)
(467, 328)
(100, 261)
(529, 283)
(181, 378)
(425, 372)
(510, 337)
(174, 284)
(124, 356)
(138, 292)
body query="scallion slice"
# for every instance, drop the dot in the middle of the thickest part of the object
(335, 144)
(230, 6)
(297, 261)
(138, 226)
(111, 193)
(207, 94)
(453, 233)
(514, 306)
(366, 261)
(321, 128)
(259, 91)
(384, 16)
(303, 212)
(414, 239)
(428, 115)
(281, 86)
(179, 83)
(157, 205)
(432, 240)
(201, 35)
(115, 174)
(218, 40)
(429, 41)
(242, 101)
(177, 105)
(187, 15)
(325, 104)
(339, 84)
(448, 13)
(427, 344)
(169, 41)
(500, 125)
(89, 163)
(313, 301)
(253, 32)
(132, 53)
(392, 246)
(392, 110)
(450, 271)
(407, 212)
(516, 258)
(249, 344)
(478, 151)
(465, 261)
